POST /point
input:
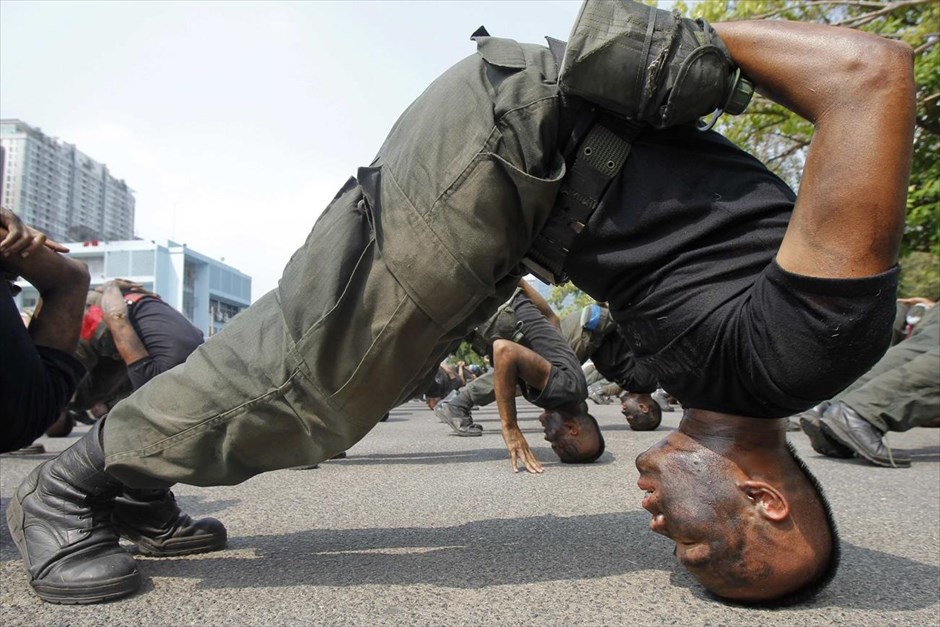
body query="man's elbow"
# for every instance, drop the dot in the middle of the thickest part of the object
(895, 60)
(880, 68)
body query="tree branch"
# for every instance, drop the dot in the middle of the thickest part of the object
(879, 9)
(789, 152)
(860, 20)
(927, 45)
(815, 3)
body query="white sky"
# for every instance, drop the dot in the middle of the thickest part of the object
(236, 122)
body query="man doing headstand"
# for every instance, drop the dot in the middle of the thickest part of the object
(744, 302)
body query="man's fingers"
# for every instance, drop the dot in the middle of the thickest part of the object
(7, 238)
(524, 456)
(17, 238)
(532, 464)
(34, 243)
(513, 461)
(56, 246)
(16, 247)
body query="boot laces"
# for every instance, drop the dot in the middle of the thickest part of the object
(890, 454)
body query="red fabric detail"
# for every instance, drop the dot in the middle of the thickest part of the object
(93, 317)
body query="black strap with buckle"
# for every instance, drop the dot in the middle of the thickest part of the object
(597, 160)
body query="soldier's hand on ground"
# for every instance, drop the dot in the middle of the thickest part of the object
(519, 451)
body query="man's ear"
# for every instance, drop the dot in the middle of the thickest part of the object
(572, 425)
(769, 501)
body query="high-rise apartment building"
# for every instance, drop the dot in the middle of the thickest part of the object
(56, 188)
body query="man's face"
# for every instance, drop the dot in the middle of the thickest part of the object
(743, 535)
(692, 493)
(564, 435)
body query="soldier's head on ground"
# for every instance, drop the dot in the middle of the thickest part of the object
(573, 433)
(641, 411)
(752, 526)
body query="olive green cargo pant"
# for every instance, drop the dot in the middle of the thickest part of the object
(482, 390)
(902, 390)
(421, 247)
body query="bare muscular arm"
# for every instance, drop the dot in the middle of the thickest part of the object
(858, 90)
(62, 282)
(126, 340)
(512, 362)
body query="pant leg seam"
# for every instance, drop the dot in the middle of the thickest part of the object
(209, 422)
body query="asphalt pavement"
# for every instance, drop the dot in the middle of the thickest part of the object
(420, 527)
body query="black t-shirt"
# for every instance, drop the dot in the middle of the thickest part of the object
(566, 385)
(167, 335)
(682, 247)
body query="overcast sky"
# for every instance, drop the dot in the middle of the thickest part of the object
(236, 122)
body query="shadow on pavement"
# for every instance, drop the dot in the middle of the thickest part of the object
(502, 552)
(473, 555)
(512, 552)
(545, 455)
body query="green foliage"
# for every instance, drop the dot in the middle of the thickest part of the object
(780, 138)
(920, 276)
(566, 298)
(467, 355)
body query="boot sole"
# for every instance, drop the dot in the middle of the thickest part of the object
(178, 546)
(108, 590)
(461, 431)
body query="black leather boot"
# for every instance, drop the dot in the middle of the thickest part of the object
(842, 424)
(822, 443)
(60, 520)
(454, 409)
(154, 522)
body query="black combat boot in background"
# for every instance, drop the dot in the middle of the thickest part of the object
(454, 410)
(152, 520)
(60, 520)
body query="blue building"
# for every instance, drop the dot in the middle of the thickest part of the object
(208, 292)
